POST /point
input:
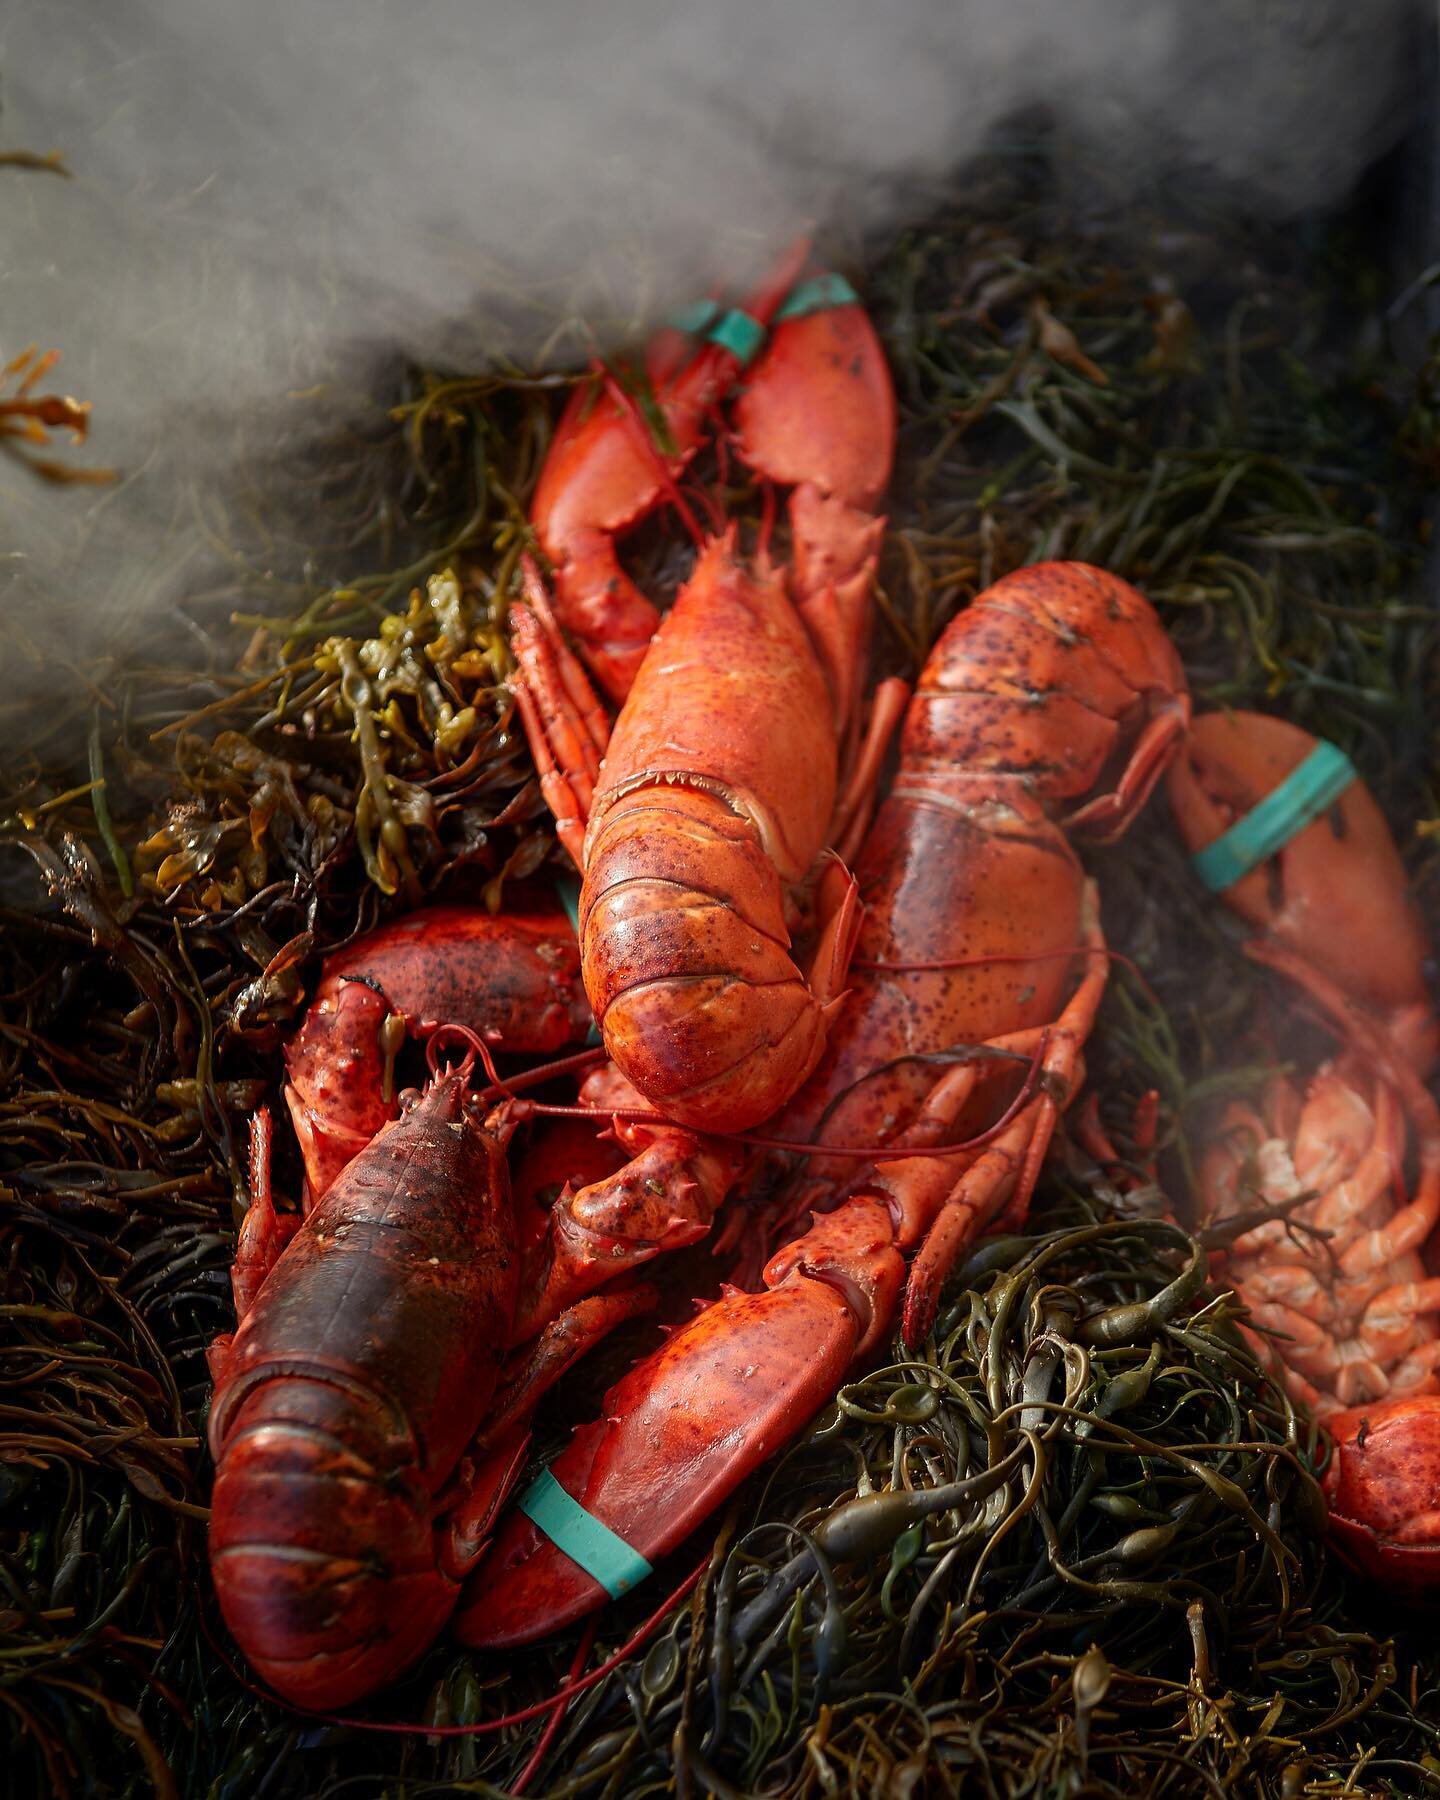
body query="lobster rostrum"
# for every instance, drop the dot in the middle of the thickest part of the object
(1339, 1276)
(1052, 703)
(700, 822)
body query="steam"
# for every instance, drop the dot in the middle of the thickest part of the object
(268, 193)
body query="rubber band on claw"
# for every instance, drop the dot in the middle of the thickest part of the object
(603, 1555)
(1305, 793)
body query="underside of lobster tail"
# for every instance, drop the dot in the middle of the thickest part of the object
(321, 1544)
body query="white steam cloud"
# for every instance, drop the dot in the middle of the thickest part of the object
(262, 185)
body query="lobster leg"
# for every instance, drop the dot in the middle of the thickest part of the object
(1010, 1167)
(662, 1199)
(565, 725)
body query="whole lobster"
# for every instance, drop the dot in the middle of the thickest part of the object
(699, 822)
(1340, 1277)
(1052, 703)
(361, 1369)
(371, 1411)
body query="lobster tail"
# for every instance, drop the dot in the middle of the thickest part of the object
(687, 960)
(321, 1543)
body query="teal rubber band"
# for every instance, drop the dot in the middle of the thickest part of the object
(693, 319)
(569, 891)
(1285, 811)
(820, 294)
(595, 1547)
(738, 333)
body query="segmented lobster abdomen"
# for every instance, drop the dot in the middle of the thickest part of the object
(687, 959)
(717, 790)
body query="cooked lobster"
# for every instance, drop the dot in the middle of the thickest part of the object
(1052, 703)
(1340, 1277)
(371, 1411)
(699, 822)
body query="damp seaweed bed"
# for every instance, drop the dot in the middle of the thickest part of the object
(1017, 1561)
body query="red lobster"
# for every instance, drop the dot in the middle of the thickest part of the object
(512, 979)
(1056, 690)
(700, 821)
(371, 1411)
(1341, 1277)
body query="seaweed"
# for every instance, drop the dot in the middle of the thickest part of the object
(1081, 1558)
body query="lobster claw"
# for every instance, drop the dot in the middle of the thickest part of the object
(1335, 894)
(819, 406)
(604, 474)
(678, 1433)
(1383, 1486)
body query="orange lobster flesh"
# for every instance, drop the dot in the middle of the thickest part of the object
(997, 740)
(513, 979)
(1340, 1279)
(698, 822)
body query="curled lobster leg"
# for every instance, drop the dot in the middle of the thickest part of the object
(513, 979)
(565, 725)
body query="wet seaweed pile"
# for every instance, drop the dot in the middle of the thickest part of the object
(1071, 1548)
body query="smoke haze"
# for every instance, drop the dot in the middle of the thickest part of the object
(266, 190)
